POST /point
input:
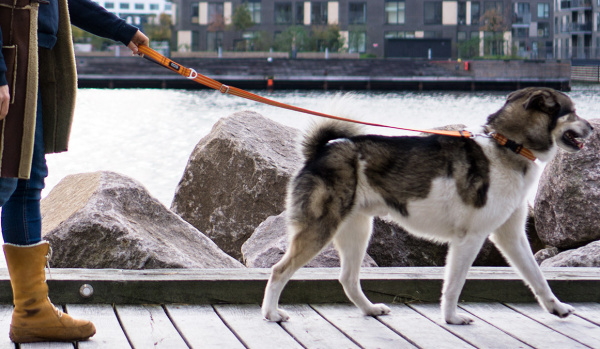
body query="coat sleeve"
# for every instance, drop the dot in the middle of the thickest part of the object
(2, 65)
(95, 19)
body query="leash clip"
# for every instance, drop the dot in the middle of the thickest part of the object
(193, 74)
(482, 135)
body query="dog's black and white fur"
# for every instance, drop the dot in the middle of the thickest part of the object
(448, 189)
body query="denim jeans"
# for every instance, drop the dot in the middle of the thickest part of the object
(20, 198)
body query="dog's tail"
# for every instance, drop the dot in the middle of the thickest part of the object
(320, 134)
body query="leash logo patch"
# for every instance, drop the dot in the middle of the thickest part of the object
(174, 65)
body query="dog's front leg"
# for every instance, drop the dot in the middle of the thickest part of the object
(461, 255)
(511, 240)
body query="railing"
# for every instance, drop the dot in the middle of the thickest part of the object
(580, 27)
(572, 4)
(578, 52)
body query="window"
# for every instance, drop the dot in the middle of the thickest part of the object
(493, 5)
(254, 8)
(109, 5)
(138, 6)
(462, 13)
(461, 36)
(283, 13)
(522, 13)
(194, 11)
(318, 13)
(432, 12)
(124, 6)
(299, 19)
(432, 34)
(357, 13)
(520, 32)
(399, 34)
(357, 42)
(543, 10)
(394, 12)
(475, 12)
(155, 7)
(215, 13)
(214, 40)
(543, 30)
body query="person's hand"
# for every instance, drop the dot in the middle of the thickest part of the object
(138, 39)
(4, 101)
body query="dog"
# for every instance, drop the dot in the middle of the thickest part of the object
(455, 190)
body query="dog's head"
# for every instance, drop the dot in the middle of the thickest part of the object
(539, 119)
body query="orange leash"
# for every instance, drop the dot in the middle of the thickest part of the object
(191, 74)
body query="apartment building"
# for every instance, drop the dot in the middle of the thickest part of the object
(535, 29)
(137, 12)
(577, 29)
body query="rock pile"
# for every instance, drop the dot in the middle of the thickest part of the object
(566, 203)
(229, 207)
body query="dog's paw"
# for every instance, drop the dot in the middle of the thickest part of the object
(562, 310)
(279, 315)
(377, 309)
(459, 319)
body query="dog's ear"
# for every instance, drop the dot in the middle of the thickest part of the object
(542, 100)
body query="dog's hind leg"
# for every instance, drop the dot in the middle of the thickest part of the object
(351, 242)
(511, 239)
(304, 246)
(461, 255)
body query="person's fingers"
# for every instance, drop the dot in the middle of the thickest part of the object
(4, 101)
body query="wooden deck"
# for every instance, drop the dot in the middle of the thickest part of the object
(323, 322)
(497, 325)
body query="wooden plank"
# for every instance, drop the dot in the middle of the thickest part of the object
(309, 285)
(201, 327)
(420, 330)
(5, 318)
(480, 333)
(573, 327)
(367, 331)
(312, 330)
(520, 326)
(589, 311)
(147, 326)
(109, 333)
(247, 322)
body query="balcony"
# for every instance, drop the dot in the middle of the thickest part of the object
(576, 4)
(580, 28)
(521, 20)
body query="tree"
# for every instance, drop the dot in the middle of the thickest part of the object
(241, 19)
(328, 37)
(159, 30)
(82, 37)
(494, 26)
(294, 38)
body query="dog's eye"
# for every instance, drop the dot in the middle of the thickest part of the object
(564, 111)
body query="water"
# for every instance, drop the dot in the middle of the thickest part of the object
(149, 134)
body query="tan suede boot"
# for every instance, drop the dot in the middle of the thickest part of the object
(34, 318)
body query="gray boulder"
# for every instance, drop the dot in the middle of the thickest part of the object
(545, 253)
(569, 195)
(236, 178)
(586, 256)
(106, 220)
(392, 246)
(270, 241)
